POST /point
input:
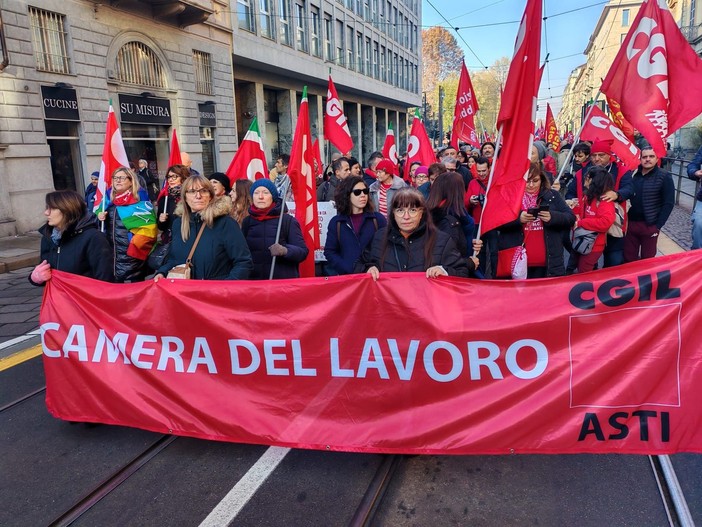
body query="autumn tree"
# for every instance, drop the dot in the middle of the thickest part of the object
(488, 86)
(441, 59)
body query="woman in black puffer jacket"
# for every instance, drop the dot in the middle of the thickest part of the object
(71, 241)
(411, 242)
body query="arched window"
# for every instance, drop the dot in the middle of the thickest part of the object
(137, 63)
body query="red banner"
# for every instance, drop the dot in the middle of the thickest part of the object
(603, 362)
(600, 127)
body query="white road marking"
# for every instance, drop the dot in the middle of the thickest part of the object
(19, 339)
(227, 509)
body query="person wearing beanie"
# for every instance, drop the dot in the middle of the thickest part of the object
(260, 229)
(421, 176)
(91, 190)
(385, 185)
(221, 184)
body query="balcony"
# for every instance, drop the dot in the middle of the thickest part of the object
(693, 34)
(180, 13)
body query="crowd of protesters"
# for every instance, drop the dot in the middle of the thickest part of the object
(580, 210)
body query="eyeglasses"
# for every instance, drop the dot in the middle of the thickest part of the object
(173, 176)
(200, 191)
(359, 191)
(121, 178)
(534, 181)
(412, 212)
(421, 176)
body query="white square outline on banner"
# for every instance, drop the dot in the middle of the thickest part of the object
(570, 355)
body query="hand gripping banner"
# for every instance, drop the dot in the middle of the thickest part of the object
(602, 362)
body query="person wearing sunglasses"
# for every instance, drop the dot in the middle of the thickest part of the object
(351, 231)
(130, 226)
(412, 243)
(221, 253)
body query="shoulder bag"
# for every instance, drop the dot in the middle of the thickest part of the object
(182, 272)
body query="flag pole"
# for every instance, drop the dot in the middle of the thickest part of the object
(577, 137)
(498, 145)
(284, 192)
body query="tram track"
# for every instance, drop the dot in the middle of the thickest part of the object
(22, 399)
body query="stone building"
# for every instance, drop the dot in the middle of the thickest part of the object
(202, 67)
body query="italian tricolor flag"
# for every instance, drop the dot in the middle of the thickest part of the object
(250, 160)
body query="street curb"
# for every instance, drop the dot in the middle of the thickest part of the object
(18, 262)
(667, 246)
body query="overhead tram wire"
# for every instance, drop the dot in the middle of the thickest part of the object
(457, 33)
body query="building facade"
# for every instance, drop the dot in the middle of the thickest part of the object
(371, 48)
(163, 65)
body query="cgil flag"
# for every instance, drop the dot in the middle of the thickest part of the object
(318, 165)
(250, 160)
(418, 146)
(656, 78)
(515, 123)
(302, 179)
(389, 150)
(464, 112)
(551, 130)
(336, 128)
(599, 127)
(113, 157)
(174, 158)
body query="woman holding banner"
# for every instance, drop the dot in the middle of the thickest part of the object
(539, 228)
(221, 252)
(351, 231)
(411, 242)
(270, 235)
(71, 240)
(130, 226)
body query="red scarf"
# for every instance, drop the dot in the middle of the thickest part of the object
(262, 214)
(126, 198)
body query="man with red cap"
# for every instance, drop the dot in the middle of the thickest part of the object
(385, 185)
(601, 156)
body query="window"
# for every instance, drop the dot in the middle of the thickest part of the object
(203, 72)
(50, 40)
(396, 71)
(301, 26)
(328, 38)
(339, 57)
(349, 48)
(349, 5)
(245, 15)
(366, 10)
(368, 70)
(375, 13)
(376, 60)
(284, 14)
(398, 27)
(388, 19)
(267, 21)
(383, 71)
(622, 36)
(137, 64)
(359, 53)
(625, 18)
(316, 45)
(394, 23)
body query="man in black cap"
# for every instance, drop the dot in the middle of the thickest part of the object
(221, 184)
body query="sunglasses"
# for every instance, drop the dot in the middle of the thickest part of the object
(359, 191)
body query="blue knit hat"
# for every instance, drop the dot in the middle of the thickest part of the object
(265, 182)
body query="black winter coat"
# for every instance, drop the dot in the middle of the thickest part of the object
(221, 253)
(166, 226)
(562, 219)
(344, 247)
(407, 254)
(82, 250)
(260, 235)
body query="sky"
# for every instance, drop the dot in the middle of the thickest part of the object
(566, 32)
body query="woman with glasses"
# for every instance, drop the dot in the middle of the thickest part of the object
(130, 226)
(543, 217)
(260, 228)
(221, 253)
(411, 242)
(71, 241)
(169, 198)
(420, 176)
(353, 228)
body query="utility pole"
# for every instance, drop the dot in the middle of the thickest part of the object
(424, 107)
(441, 115)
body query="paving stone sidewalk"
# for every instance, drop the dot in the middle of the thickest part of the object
(19, 304)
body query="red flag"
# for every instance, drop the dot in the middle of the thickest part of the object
(304, 186)
(551, 130)
(516, 122)
(174, 156)
(318, 165)
(390, 147)
(615, 111)
(336, 129)
(113, 157)
(599, 126)
(656, 77)
(250, 160)
(419, 147)
(464, 113)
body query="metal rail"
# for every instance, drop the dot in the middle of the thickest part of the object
(22, 399)
(671, 492)
(376, 492)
